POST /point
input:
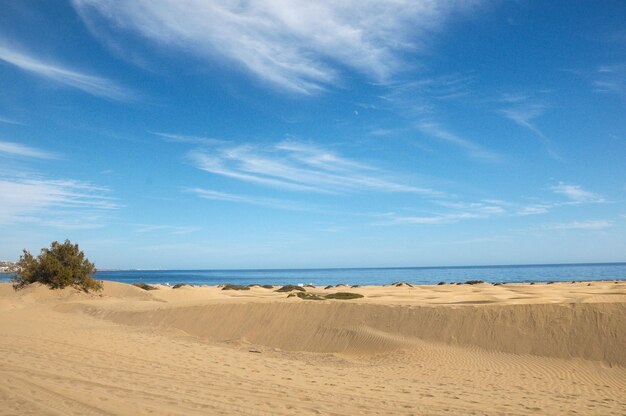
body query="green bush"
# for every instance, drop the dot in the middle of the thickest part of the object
(343, 295)
(289, 288)
(235, 287)
(144, 286)
(179, 285)
(59, 266)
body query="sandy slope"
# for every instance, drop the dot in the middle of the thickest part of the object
(483, 349)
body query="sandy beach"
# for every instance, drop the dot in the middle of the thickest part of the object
(416, 350)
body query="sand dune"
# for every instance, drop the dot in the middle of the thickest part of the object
(483, 349)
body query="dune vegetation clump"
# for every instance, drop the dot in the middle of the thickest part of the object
(144, 286)
(290, 288)
(267, 287)
(474, 282)
(235, 287)
(343, 295)
(179, 285)
(61, 265)
(305, 296)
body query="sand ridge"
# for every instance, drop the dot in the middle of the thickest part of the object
(483, 349)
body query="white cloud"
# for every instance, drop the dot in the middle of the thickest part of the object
(576, 194)
(523, 110)
(524, 114)
(430, 220)
(298, 45)
(172, 229)
(10, 121)
(186, 138)
(91, 84)
(299, 167)
(582, 225)
(472, 149)
(17, 149)
(58, 203)
(534, 209)
(243, 199)
(611, 79)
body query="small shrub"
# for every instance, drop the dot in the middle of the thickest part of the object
(305, 296)
(235, 287)
(399, 284)
(179, 285)
(355, 286)
(311, 286)
(474, 282)
(329, 287)
(59, 266)
(144, 286)
(550, 283)
(267, 287)
(441, 283)
(290, 288)
(343, 295)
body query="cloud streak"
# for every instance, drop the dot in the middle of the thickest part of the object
(582, 225)
(88, 83)
(472, 149)
(51, 202)
(576, 194)
(295, 166)
(20, 150)
(298, 45)
(244, 199)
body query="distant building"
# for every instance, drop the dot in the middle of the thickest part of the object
(8, 266)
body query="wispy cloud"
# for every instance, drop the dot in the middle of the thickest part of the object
(534, 209)
(582, 225)
(523, 109)
(610, 79)
(190, 139)
(52, 202)
(472, 149)
(6, 120)
(394, 219)
(244, 199)
(298, 45)
(172, 229)
(456, 211)
(20, 150)
(576, 194)
(298, 166)
(91, 84)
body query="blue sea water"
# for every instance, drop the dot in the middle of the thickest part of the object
(374, 276)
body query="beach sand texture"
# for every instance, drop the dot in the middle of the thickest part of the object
(425, 350)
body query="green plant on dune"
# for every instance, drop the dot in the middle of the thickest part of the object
(179, 285)
(61, 265)
(290, 288)
(235, 287)
(343, 295)
(144, 286)
(305, 296)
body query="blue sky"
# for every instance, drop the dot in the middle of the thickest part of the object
(271, 133)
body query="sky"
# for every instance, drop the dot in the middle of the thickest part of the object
(186, 134)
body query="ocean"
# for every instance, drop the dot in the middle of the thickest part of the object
(373, 276)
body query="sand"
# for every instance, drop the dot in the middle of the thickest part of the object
(426, 350)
